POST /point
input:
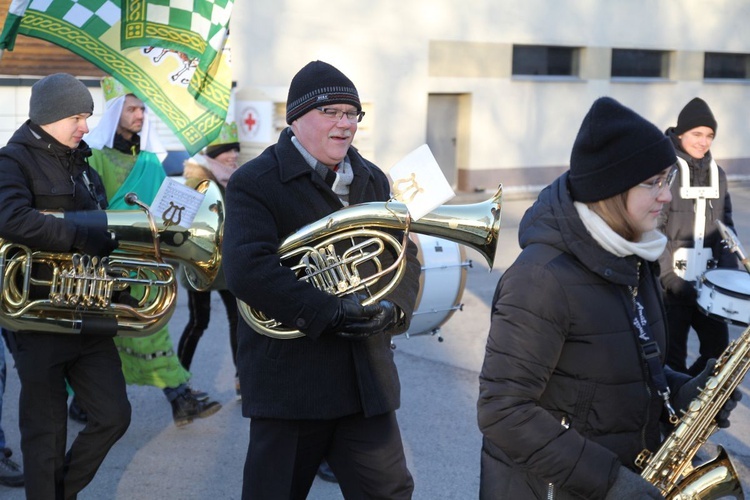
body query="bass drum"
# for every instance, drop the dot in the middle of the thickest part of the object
(725, 294)
(442, 283)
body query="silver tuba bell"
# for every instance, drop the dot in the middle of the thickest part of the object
(77, 290)
(311, 253)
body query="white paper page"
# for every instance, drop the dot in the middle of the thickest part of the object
(176, 204)
(419, 183)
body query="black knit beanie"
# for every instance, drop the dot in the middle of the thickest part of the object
(615, 149)
(319, 84)
(58, 96)
(696, 113)
(212, 151)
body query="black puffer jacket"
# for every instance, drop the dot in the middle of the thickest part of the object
(38, 173)
(561, 346)
(677, 223)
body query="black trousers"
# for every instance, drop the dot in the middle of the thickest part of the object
(365, 454)
(92, 366)
(713, 335)
(199, 307)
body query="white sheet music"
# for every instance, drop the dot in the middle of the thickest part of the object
(176, 204)
(419, 183)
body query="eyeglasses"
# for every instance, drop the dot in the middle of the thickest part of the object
(660, 183)
(335, 114)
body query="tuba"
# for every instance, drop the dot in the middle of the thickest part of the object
(310, 251)
(78, 291)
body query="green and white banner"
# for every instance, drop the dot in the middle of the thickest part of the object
(193, 102)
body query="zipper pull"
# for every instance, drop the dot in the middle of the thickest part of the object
(72, 181)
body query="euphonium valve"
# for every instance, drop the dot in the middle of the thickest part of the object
(313, 254)
(72, 293)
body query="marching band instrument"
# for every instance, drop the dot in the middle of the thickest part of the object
(671, 469)
(77, 291)
(441, 284)
(310, 250)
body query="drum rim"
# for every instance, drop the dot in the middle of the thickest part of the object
(726, 291)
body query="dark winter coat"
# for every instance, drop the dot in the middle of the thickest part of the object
(319, 375)
(678, 224)
(562, 351)
(38, 173)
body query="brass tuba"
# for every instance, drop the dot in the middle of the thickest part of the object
(310, 251)
(78, 290)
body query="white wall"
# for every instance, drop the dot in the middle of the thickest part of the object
(383, 46)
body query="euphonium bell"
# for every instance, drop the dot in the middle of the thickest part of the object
(309, 250)
(80, 289)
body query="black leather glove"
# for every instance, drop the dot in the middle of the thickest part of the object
(98, 242)
(692, 388)
(631, 486)
(687, 290)
(354, 321)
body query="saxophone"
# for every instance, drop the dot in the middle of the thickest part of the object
(671, 469)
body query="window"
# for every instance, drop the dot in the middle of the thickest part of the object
(730, 66)
(538, 60)
(631, 63)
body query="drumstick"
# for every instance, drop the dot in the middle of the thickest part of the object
(733, 243)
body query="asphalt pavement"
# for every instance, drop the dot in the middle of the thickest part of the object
(439, 377)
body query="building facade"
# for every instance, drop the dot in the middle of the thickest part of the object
(496, 88)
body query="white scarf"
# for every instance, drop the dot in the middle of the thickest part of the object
(650, 247)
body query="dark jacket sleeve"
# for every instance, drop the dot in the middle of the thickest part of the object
(727, 259)
(24, 224)
(529, 319)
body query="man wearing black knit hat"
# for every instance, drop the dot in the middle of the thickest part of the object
(44, 168)
(328, 388)
(695, 245)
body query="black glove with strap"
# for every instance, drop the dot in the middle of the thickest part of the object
(690, 390)
(354, 321)
(631, 486)
(98, 242)
(92, 236)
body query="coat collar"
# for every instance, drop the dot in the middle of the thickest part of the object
(292, 165)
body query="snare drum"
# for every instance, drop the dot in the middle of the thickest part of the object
(725, 294)
(441, 283)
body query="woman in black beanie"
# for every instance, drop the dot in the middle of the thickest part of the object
(699, 196)
(568, 396)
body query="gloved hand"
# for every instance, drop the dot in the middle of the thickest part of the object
(680, 288)
(98, 242)
(631, 486)
(355, 321)
(692, 388)
(379, 323)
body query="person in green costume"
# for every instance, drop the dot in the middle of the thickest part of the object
(126, 153)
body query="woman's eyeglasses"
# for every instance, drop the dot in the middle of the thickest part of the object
(660, 183)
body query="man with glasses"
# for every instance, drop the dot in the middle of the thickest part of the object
(698, 199)
(331, 393)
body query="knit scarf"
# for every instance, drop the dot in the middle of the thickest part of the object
(339, 179)
(649, 248)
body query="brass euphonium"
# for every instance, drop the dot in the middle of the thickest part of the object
(310, 250)
(77, 290)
